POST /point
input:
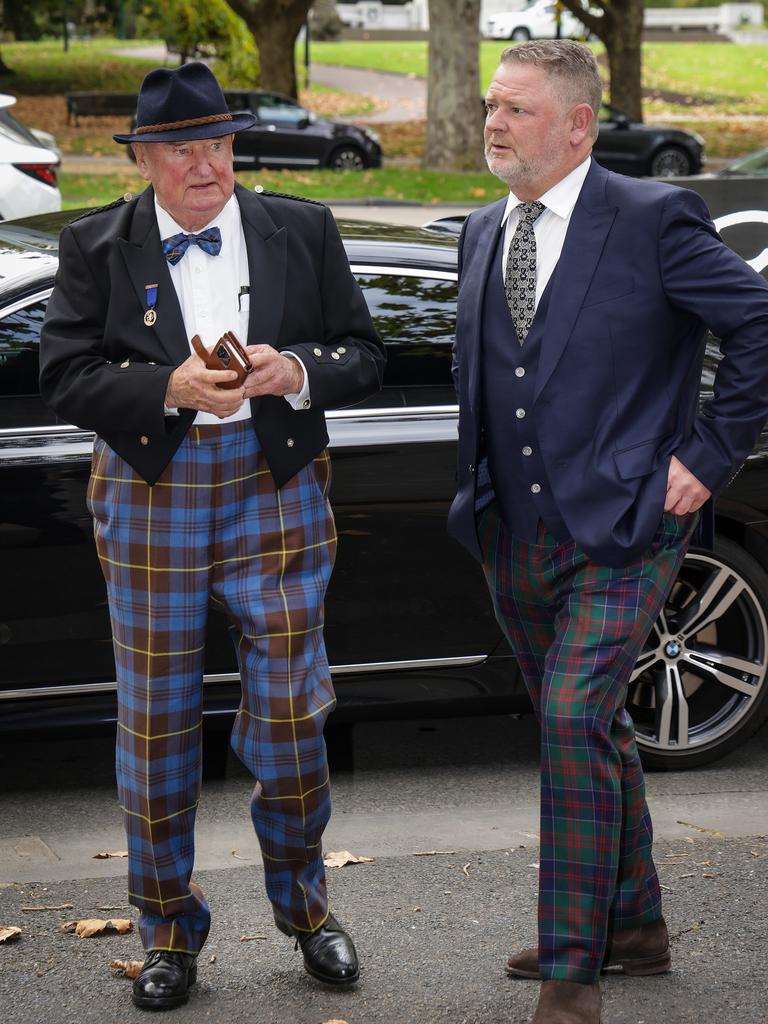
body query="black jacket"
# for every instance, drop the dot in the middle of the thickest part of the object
(104, 370)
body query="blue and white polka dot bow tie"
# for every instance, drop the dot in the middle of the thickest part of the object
(175, 246)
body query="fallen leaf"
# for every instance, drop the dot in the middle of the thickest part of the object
(698, 828)
(237, 855)
(465, 869)
(9, 933)
(710, 874)
(35, 910)
(341, 858)
(106, 854)
(91, 926)
(417, 910)
(433, 853)
(334, 1021)
(213, 959)
(252, 938)
(128, 968)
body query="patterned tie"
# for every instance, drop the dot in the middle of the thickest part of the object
(520, 271)
(175, 246)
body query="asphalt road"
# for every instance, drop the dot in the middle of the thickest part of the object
(432, 931)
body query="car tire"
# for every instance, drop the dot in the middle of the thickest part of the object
(520, 35)
(347, 158)
(700, 688)
(670, 162)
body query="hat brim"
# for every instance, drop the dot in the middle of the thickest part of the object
(194, 133)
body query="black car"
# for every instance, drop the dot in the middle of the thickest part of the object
(409, 627)
(630, 147)
(287, 135)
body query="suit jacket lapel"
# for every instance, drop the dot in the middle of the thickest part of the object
(475, 269)
(145, 263)
(267, 247)
(590, 223)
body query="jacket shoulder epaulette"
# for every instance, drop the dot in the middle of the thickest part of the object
(287, 195)
(102, 209)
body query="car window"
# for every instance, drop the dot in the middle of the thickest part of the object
(274, 108)
(20, 402)
(416, 318)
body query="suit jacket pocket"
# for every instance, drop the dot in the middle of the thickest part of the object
(608, 290)
(640, 459)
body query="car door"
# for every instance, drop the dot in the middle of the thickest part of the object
(54, 624)
(403, 592)
(285, 138)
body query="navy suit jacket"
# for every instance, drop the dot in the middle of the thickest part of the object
(642, 275)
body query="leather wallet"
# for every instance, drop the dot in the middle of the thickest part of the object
(226, 354)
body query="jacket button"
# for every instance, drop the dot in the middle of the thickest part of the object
(290, 442)
(519, 372)
(125, 365)
(144, 439)
(535, 488)
(520, 413)
(527, 450)
(471, 468)
(341, 349)
(335, 355)
(318, 352)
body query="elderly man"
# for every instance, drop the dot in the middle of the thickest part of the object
(583, 463)
(211, 484)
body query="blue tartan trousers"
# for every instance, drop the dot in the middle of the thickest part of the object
(577, 629)
(214, 529)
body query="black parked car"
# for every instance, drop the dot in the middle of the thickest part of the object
(288, 135)
(409, 627)
(630, 147)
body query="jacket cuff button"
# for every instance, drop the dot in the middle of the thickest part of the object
(290, 442)
(144, 439)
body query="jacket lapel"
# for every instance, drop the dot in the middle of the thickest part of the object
(475, 269)
(145, 263)
(591, 221)
(267, 247)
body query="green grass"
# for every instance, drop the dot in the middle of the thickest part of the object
(387, 183)
(721, 77)
(44, 68)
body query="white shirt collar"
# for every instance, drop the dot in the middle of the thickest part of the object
(561, 198)
(226, 219)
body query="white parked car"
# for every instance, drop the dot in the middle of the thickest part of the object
(536, 21)
(28, 169)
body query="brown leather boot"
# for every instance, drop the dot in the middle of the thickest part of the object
(638, 951)
(567, 1002)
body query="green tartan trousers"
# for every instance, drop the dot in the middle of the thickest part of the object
(577, 629)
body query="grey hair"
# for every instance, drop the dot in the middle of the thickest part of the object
(572, 63)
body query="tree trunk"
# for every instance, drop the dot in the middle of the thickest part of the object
(620, 28)
(454, 108)
(275, 24)
(625, 63)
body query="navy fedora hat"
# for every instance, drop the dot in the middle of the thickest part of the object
(183, 105)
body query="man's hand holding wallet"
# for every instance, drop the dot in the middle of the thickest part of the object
(219, 380)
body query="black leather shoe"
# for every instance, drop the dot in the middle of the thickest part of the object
(329, 953)
(164, 980)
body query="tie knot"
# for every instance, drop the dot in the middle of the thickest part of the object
(530, 211)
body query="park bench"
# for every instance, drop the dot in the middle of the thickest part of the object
(100, 104)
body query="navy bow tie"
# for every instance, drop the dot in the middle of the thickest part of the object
(175, 246)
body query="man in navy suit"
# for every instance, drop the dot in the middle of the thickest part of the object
(584, 461)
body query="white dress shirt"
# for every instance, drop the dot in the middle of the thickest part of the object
(207, 288)
(550, 227)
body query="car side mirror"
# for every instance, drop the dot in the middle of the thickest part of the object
(303, 122)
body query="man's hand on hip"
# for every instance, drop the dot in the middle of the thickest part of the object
(273, 373)
(685, 493)
(193, 386)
